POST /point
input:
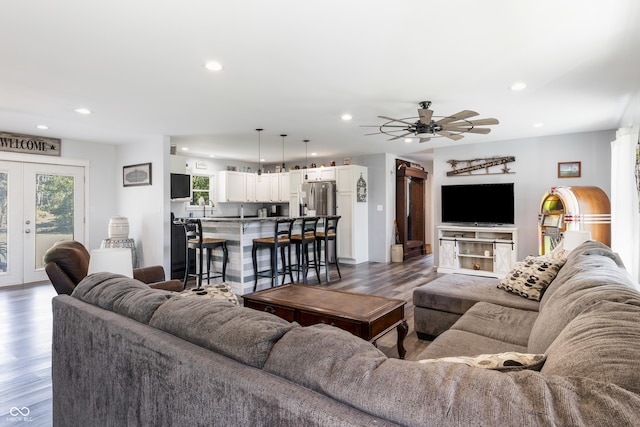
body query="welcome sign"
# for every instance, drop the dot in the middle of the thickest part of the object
(29, 144)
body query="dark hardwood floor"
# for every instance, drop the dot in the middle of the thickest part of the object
(26, 322)
(25, 354)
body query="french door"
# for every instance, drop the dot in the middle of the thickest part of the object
(40, 204)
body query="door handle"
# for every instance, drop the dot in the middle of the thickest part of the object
(27, 231)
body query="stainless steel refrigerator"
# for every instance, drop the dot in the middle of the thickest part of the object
(318, 197)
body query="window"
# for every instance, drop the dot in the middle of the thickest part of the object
(201, 187)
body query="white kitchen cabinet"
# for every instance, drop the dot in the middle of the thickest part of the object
(274, 187)
(295, 179)
(232, 186)
(284, 187)
(321, 174)
(262, 188)
(251, 187)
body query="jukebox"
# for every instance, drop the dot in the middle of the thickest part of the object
(573, 208)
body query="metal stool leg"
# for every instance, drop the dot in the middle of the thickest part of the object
(335, 255)
(255, 267)
(225, 259)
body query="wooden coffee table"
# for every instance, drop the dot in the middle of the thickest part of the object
(367, 316)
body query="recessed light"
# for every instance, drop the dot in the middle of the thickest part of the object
(537, 125)
(346, 117)
(212, 155)
(213, 66)
(82, 111)
(518, 86)
(407, 140)
(262, 160)
(314, 154)
(185, 149)
(43, 127)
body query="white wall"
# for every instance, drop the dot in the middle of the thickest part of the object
(535, 171)
(147, 207)
(101, 191)
(380, 193)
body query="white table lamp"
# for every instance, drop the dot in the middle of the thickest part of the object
(574, 238)
(112, 260)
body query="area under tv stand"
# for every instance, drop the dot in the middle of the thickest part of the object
(477, 250)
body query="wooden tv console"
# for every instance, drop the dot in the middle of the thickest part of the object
(478, 251)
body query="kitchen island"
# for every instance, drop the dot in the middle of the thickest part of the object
(239, 233)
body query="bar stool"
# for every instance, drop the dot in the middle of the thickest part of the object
(281, 239)
(196, 242)
(302, 241)
(328, 235)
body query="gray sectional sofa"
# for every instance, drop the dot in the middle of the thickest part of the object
(124, 354)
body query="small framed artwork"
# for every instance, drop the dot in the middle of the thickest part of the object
(134, 175)
(569, 170)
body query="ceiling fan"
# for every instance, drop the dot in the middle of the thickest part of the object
(426, 127)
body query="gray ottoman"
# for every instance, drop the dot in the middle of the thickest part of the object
(440, 303)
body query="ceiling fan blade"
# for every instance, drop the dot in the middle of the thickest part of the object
(424, 140)
(425, 115)
(400, 136)
(465, 114)
(483, 131)
(454, 136)
(404, 129)
(395, 120)
(482, 122)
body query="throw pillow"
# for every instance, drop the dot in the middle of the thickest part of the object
(559, 252)
(530, 277)
(221, 291)
(509, 361)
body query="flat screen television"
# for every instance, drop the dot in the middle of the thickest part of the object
(180, 186)
(490, 204)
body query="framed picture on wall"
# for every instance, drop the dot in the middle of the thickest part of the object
(134, 175)
(569, 170)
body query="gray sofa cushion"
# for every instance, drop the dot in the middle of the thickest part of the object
(586, 285)
(456, 342)
(122, 295)
(456, 293)
(506, 324)
(240, 333)
(603, 343)
(350, 370)
(589, 255)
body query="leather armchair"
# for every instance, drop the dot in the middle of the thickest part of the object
(67, 263)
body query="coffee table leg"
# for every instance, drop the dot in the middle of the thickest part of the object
(403, 329)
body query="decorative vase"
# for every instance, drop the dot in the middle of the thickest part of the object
(119, 227)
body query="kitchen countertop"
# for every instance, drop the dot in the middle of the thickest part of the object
(238, 219)
(245, 219)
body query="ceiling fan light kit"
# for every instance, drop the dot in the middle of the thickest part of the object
(425, 127)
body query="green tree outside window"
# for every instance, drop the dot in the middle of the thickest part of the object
(201, 187)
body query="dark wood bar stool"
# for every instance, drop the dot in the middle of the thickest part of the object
(281, 239)
(197, 243)
(329, 234)
(302, 242)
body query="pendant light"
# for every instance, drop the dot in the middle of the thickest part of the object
(259, 157)
(306, 166)
(283, 135)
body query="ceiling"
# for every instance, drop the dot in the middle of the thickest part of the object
(295, 67)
